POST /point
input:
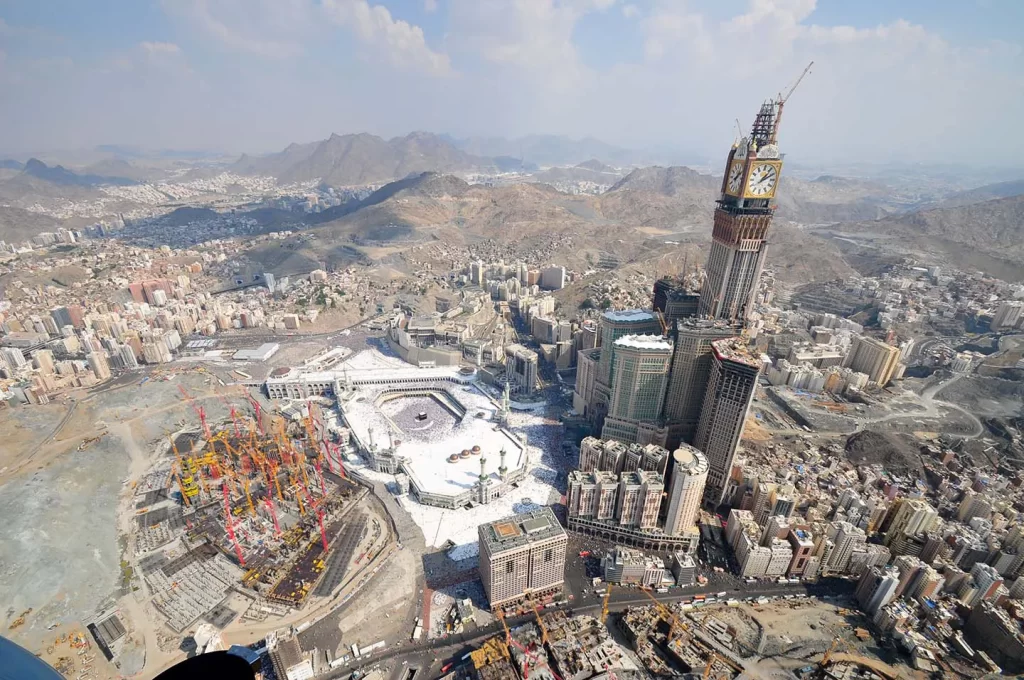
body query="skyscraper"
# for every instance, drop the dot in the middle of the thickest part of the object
(731, 384)
(741, 221)
(691, 367)
(639, 377)
(689, 474)
(675, 300)
(614, 325)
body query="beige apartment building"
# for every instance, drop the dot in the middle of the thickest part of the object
(522, 555)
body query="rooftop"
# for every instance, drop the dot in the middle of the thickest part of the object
(629, 316)
(734, 350)
(689, 458)
(520, 530)
(645, 342)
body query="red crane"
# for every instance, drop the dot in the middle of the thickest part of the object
(319, 513)
(257, 412)
(273, 513)
(200, 411)
(234, 415)
(320, 474)
(323, 534)
(341, 467)
(231, 525)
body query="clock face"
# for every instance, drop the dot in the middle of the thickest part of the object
(762, 181)
(735, 180)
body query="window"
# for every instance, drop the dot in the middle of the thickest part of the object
(547, 555)
(509, 567)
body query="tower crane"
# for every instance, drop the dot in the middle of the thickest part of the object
(200, 411)
(604, 604)
(675, 625)
(783, 98)
(229, 523)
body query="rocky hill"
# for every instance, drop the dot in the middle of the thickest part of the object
(590, 171)
(993, 227)
(17, 225)
(347, 160)
(655, 220)
(58, 174)
(984, 193)
(824, 200)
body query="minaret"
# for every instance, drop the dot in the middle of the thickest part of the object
(502, 470)
(484, 484)
(505, 407)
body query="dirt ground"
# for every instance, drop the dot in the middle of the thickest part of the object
(986, 396)
(66, 472)
(805, 628)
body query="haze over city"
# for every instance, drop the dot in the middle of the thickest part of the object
(511, 340)
(910, 81)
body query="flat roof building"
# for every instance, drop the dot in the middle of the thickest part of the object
(521, 556)
(691, 367)
(689, 474)
(731, 385)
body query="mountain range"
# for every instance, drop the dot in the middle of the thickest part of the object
(420, 199)
(347, 160)
(987, 235)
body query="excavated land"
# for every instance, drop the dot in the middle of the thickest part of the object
(897, 453)
(987, 397)
(66, 474)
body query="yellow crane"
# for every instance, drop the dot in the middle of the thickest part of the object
(675, 625)
(540, 623)
(248, 497)
(604, 603)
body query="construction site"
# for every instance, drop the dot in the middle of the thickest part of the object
(257, 505)
(556, 646)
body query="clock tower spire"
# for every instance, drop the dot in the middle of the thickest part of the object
(743, 216)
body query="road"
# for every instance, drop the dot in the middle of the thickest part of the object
(456, 646)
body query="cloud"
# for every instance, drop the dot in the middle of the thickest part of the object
(402, 43)
(653, 73)
(160, 47)
(267, 28)
(529, 40)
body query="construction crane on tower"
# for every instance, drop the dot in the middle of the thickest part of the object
(315, 507)
(234, 416)
(540, 624)
(258, 413)
(783, 98)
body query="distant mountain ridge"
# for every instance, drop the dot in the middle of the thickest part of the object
(346, 160)
(58, 174)
(994, 228)
(547, 150)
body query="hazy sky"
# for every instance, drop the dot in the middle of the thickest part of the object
(917, 80)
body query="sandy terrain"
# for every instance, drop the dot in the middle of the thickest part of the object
(60, 549)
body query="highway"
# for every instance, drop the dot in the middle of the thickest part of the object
(456, 646)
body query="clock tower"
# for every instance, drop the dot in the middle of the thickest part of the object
(742, 218)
